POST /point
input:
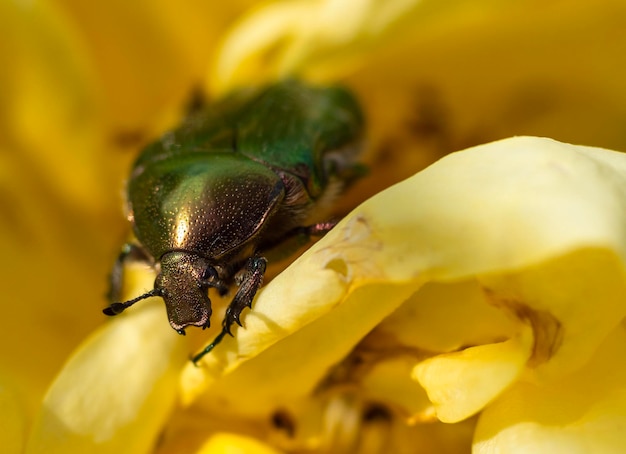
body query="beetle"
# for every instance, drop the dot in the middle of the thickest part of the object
(239, 181)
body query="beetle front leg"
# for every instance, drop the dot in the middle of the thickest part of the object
(249, 283)
(130, 251)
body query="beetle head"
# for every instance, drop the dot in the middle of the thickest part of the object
(183, 283)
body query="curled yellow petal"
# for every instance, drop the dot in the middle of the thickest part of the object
(116, 391)
(585, 412)
(461, 384)
(471, 226)
(497, 206)
(572, 302)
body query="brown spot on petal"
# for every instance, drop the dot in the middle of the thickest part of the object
(284, 421)
(375, 412)
(431, 118)
(547, 329)
(126, 139)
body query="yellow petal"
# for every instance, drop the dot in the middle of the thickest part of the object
(228, 443)
(447, 317)
(12, 419)
(280, 374)
(585, 412)
(502, 205)
(116, 391)
(461, 384)
(523, 67)
(48, 121)
(572, 302)
(279, 39)
(489, 210)
(553, 301)
(389, 381)
(148, 56)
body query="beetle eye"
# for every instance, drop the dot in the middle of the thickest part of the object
(209, 274)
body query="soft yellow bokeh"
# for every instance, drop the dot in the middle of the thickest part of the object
(81, 88)
(13, 419)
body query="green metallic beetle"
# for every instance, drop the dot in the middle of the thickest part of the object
(238, 181)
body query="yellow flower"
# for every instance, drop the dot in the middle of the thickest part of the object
(480, 302)
(497, 277)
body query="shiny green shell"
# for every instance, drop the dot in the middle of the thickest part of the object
(239, 175)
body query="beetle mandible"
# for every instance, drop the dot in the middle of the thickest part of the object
(237, 182)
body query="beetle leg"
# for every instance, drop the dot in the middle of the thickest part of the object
(220, 286)
(251, 280)
(130, 251)
(294, 240)
(306, 232)
(319, 229)
(212, 279)
(208, 348)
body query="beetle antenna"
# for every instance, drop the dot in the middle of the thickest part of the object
(209, 347)
(118, 308)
